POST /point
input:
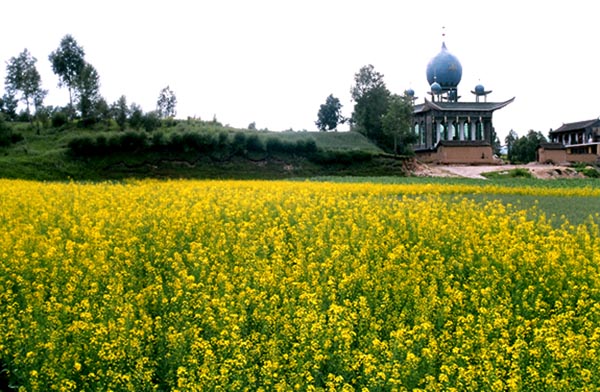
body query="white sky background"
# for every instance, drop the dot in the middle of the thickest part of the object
(274, 62)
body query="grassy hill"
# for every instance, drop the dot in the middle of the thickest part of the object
(45, 153)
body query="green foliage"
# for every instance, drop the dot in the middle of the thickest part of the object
(166, 103)
(150, 121)
(255, 144)
(136, 116)
(329, 115)
(512, 173)
(7, 136)
(23, 76)
(67, 63)
(586, 170)
(397, 125)
(59, 118)
(88, 94)
(9, 106)
(347, 157)
(524, 149)
(120, 112)
(371, 98)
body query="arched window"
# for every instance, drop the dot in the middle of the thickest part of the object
(479, 135)
(451, 131)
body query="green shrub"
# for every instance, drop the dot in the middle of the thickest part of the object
(82, 146)
(132, 141)
(340, 157)
(590, 172)
(255, 144)
(59, 119)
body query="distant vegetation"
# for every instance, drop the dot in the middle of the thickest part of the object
(186, 149)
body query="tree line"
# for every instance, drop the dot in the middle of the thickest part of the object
(523, 149)
(86, 105)
(381, 116)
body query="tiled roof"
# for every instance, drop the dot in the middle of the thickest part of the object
(579, 125)
(461, 106)
(551, 146)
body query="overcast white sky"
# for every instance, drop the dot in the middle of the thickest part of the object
(274, 61)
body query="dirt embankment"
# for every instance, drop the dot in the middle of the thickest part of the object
(475, 171)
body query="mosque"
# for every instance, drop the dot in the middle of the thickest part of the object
(449, 130)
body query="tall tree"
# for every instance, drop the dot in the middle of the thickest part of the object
(68, 63)
(166, 103)
(87, 90)
(23, 76)
(510, 140)
(397, 124)
(371, 98)
(120, 112)
(330, 114)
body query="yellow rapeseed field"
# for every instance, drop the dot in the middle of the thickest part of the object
(285, 286)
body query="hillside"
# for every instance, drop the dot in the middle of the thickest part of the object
(176, 151)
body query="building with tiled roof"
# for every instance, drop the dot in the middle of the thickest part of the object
(573, 142)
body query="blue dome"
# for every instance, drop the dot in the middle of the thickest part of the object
(436, 88)
(479, 90)
(410, 92)
(444, 69)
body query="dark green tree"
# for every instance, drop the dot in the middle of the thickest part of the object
(166, 103)
(22, 76)
(136, 116)
(151, 121)
(371, 97)
(88, 94)
(68, 63)
(120, 112)
(102, 111)
(9, 106)
(524, 149)
(510, 140)
(330, 114)
(397, 125)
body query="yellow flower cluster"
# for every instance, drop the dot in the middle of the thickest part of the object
(280, 286)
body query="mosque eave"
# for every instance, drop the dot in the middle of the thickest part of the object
(461, 106)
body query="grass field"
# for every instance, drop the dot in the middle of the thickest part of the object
(380, 285)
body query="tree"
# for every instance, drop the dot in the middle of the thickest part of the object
(397, 124)
(121, 112)
(510, 140)
(330, 115)
(9, 106)
(166, 103)
(23, 76)
(87, 89)
(371, 98)
(136, 116)
(151, 121)
(496, 145)
(68, 63)
(524, 149)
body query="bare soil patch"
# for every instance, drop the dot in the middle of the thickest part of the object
(542, 171)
